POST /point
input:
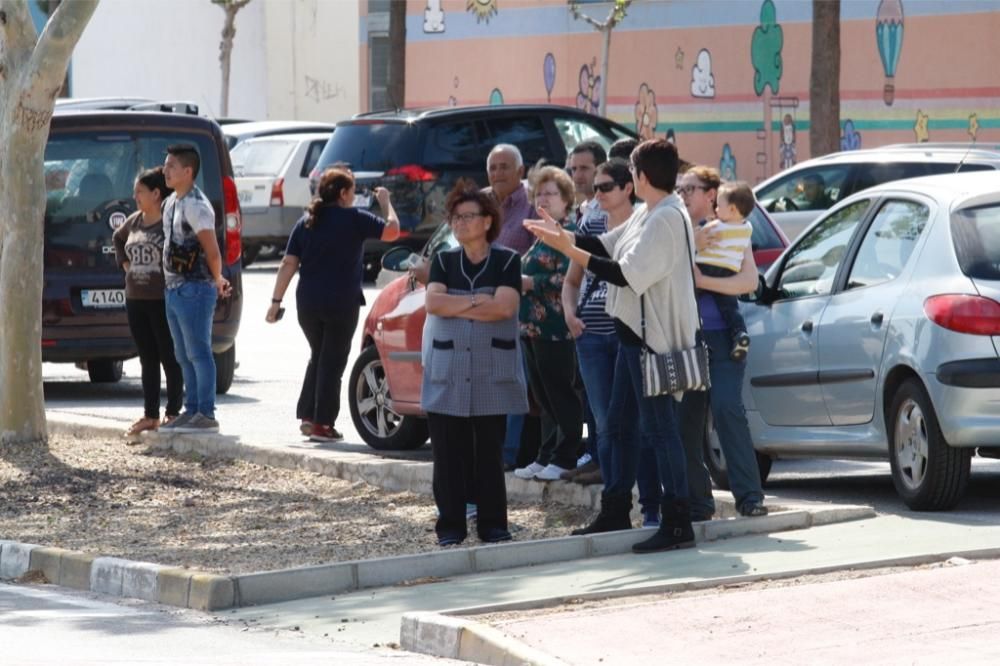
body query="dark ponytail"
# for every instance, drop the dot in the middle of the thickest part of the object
(331, 185)
(153, 180)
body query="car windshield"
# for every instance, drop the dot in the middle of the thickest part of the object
(261, 158)
(371, 146)
(442, 239)
(89, 178)
(976, 235)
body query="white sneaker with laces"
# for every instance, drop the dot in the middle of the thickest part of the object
(551, 473)
(528, 472)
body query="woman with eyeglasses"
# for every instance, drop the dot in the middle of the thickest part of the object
(473, 373)
(549, 350)
(699, 188)
(647, 263)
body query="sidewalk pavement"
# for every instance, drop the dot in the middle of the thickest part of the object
(368, 617)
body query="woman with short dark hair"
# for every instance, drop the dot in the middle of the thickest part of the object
(647, 263)
(473, 373)
(326, 248)
(139, 250)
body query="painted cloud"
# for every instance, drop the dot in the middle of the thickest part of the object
(702, 79)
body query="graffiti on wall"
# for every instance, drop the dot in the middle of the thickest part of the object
(973, 130)
(483, 10)
(589, 96)
(727, 163)
(496, 97)
(549, 75)
(702, 78)
(850, 138)
(679, 58)
(889, 39)
(645, 112)
(787, 148)
(319, 90)
(765, 56)
(921, 129)
(433, 17)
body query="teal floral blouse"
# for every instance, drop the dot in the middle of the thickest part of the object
(541, 307)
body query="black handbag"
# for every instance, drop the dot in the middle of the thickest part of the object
(672, 372)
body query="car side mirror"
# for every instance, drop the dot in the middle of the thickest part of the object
(762, 295)
(397, 259)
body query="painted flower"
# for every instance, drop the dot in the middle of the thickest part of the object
(589, 97)
(645, 112)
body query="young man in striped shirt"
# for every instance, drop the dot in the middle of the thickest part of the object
(733, 230)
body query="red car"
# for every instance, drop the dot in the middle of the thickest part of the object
(384, 386)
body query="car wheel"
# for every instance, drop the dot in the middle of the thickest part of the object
(715, 460)
(929, 474)
(249, 254)
(380, 427)
(225, 369)
(104, 370)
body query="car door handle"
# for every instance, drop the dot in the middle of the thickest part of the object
(877, 319)
(807, 326)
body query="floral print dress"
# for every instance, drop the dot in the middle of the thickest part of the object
(541, 307)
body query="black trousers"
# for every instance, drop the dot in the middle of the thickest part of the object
(148, 322)
(468, 467)
(552, 375)
(329, 334)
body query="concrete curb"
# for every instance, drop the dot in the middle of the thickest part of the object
(466, 640)
(117, 577)
(452, 634)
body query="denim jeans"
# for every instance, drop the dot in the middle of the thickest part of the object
(657, 431)
(726, 401)
(597, 354)
(189, 315)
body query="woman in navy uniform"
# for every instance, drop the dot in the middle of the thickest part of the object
(473, 373)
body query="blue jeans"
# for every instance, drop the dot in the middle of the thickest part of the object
(658, 431)
(189, 315)
(726, 401)
(515, 426)
(597, 354)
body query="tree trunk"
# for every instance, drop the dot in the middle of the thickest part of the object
(226, 55)
(824, 79)
(32, 71)
(605, 68)
(397, 54)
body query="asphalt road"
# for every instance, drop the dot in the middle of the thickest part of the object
(272, 358)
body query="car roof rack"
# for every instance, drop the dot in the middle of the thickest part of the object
(187, 108)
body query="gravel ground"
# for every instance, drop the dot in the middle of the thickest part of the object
(107, 498)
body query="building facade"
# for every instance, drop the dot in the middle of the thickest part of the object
(727, 80)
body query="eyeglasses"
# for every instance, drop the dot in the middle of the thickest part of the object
(688, 189)
(606, 187)
(464, 217)
(547, 194)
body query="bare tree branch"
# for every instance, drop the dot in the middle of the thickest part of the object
(577, 14)
(57, 41)
(19, 35)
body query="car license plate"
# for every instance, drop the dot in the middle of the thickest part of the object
(102, 298)
(362, 201)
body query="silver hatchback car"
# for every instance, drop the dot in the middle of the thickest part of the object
(876, 334)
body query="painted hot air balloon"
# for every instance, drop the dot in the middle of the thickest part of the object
(889, 37)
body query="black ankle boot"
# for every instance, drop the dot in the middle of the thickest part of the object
(614, 515)
(675, 529)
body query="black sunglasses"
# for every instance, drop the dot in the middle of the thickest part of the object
(606, 187)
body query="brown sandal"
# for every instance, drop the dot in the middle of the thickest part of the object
(142, 425)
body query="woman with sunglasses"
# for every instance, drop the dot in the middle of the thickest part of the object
(699, 188)
(473, 373)
(647, 263)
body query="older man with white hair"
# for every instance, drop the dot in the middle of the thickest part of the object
(505, 171)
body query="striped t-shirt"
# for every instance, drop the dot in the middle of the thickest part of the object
(593, 313)
(733, 240)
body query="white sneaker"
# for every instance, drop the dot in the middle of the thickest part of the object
(528, 472)
(583, 460)
(550, 473)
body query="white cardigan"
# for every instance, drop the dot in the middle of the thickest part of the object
(655, 260)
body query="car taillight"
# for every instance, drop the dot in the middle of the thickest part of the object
(278, 192)
(234, 221)
(964, 313)
(412, 172)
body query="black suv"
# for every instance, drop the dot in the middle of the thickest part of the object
(91, 162)
(418, 155)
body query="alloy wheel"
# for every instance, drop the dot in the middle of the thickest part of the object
(911, 444)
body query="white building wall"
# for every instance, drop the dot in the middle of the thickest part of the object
(292, 59)
(312, 56)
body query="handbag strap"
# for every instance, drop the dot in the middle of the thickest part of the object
(699, 336)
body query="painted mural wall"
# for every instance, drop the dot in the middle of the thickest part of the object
(727, 80)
